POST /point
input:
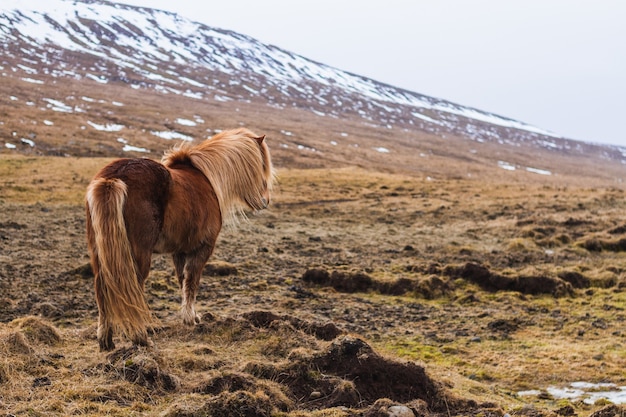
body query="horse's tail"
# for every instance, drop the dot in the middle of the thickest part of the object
(118, 288)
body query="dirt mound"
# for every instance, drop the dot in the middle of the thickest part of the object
(610, 411)
(350, 373)
(316, 375)
(326, 331)
(84, 271)
(38, 331)
(226, 404)
(340, 281)
(493, 282)
(435, 286)
(577, 279)
(598, 245)
(238, 382)
(142, 367)
(376, 377)
(14, 343)
(350, 282)
(219, 269)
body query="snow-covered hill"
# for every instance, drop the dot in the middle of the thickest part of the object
(146, 48)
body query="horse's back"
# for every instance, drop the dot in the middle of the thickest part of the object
(138, 173)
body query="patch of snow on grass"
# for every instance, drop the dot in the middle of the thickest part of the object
(32, 81)
(506, 165)
(56, 105)
(99, 79)
(590, 392)
(538, 171)
(426, 118)
(107, 127)
(168, 135)
(129, 148)
(191, 94)
(186, 122)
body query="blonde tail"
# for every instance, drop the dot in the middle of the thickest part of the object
(121, 299)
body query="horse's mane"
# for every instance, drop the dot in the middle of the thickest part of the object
(232, 161)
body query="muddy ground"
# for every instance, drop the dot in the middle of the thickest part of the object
(381, 295)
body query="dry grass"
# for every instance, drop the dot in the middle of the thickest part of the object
(478, 344)
(30, 180)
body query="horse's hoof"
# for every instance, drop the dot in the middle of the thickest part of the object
(106, 346)
(145, 342)
(191, 319)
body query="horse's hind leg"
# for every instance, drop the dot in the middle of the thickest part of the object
(189, 270)
(105, 335)
(142, 260)
(105, 327)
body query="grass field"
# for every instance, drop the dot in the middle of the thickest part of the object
(357, 291)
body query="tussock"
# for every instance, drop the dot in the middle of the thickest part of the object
(38, 331)
(14, 343)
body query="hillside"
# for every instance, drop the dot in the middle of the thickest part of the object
(96, 78)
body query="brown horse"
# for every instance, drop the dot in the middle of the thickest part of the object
(136, 207)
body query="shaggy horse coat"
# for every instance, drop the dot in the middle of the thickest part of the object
(136, 207)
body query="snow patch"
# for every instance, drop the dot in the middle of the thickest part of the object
(168, 135)
(506, 166)
(186, 122)
(128, 148)
(58, 106)
(97, 78)
(588, 392)
(538, 171)
(106, 127)
(32, 81)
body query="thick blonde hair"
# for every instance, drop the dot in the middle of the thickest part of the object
(237, 163)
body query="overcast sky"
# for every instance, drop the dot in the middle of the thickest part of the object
(557, 64)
